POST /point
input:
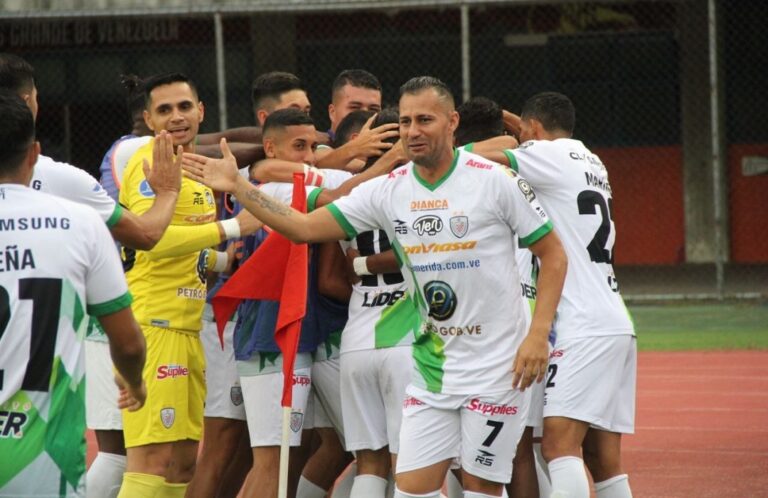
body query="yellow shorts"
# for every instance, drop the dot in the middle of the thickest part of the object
(175, 377)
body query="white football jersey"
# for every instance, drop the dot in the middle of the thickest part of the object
(57, 263)
(69, 182)
(572, 185)
(456, 242)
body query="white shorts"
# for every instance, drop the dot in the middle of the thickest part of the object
(262, 394)
(326, 392)
(481, 430)
(224, 396)
(373, 386)
(101, 393)
(593, 379)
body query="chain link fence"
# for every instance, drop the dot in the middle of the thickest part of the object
(670, 94)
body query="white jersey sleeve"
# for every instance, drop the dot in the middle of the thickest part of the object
(333, 178)
(74, 184)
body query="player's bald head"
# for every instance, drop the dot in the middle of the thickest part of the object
(420, 84)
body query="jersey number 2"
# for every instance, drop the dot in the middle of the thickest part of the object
(45, 294)
(588, 200)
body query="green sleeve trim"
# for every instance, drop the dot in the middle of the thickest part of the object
(342, 221)
(512, 160)
(536, 235)
(468, 147)
(312, 199)
(112, 306)
(115, 216)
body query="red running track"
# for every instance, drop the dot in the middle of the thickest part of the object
(701, 427)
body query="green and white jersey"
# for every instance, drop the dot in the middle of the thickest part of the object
(572, 185)
(378, 316)
(456, 242)
(57, 263)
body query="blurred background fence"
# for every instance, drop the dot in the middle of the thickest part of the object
(671, 94)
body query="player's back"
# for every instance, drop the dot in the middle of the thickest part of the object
(48, 248)
(572, 185)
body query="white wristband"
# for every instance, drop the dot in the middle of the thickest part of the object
(360, 266)
(222, 258)
(231, 228)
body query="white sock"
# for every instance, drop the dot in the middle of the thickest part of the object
(105, 476)
(615, 487)
(308, 489)
(401, 494)
(368, 485)
(343, 488)
(569, 478)
(453, 486)
(475, 494)
(542, 471)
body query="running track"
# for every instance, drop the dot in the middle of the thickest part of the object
(701, 427)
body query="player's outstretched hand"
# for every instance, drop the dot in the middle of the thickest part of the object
(530, 362)
(131, 398)
(219, 174)
(165, 173)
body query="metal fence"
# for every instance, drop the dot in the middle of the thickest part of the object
(669, 93)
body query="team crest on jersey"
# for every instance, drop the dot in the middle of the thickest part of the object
(145, 190)
(526, 189)
(168, 417)
(236, 395)
(209, 197)
(297, 420)
(459, 225)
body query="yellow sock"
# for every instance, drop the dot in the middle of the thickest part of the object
(172, 490)
(137, 485)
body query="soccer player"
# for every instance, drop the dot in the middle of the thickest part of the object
(277, 90)
(353, 90)
(590, 389)
(472, 357)
(58, 262)
(169, 290)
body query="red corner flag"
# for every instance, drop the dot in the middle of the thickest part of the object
(277, 271)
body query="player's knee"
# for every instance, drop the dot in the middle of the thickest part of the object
(480, 485)
(373, 462)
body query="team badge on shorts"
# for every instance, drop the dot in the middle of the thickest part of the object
(168, 417)
(236, 395)
(297, 420)
(459, 226)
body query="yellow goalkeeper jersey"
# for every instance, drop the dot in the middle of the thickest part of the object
(168, 291)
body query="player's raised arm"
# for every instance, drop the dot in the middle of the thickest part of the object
(222, 175)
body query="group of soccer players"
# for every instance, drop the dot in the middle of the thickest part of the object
(469, 309)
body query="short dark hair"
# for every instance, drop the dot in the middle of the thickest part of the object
(17, 130)
(553, 110)
(421, 83)
(16, 74)
(283, 118)
(166, 79)
(135, 98)
(352, 123)
(385, 116)
(355, 77)
(479, 119)
(272, 85)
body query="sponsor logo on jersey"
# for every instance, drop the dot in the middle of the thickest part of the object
(446, 247)
(401, 227)
(457, 331)
(428, 225)
(477, 164)
(375, 299)
(411, 401)
(145, 190)
(459, 225)
(168, 417)
(557, 353)
(236, 395)
(12, 423)
(172, 371)
(429, 205)
(200, 218)
(190, 293)
(526, 189)
(479, 406)
(441, 299)
(297, 420)
(301, 380)
(484, 458)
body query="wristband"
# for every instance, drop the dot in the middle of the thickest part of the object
(312, 176)
(231, 228)
(220, 260)
(360, 266)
